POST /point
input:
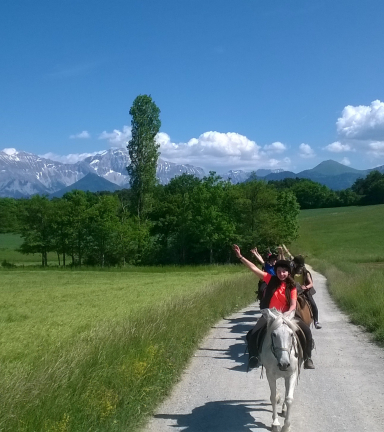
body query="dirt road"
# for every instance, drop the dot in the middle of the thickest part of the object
(344, 393)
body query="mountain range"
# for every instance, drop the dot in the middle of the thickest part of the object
(24, 174)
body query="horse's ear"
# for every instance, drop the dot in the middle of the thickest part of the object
(289, 315)
(269, 314)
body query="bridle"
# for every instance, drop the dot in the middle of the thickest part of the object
(288, 350)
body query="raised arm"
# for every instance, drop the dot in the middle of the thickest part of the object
(258, 256)
(259, 273)
(287, 251)
(280, 253)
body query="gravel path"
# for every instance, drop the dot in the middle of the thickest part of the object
(344, 393)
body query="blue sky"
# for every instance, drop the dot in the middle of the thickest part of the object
(242, 84)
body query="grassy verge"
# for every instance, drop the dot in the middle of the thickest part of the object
(345, 244)
(104, 370)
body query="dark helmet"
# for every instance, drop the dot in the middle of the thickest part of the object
(272, 256)
(284, 264)
(298, 260)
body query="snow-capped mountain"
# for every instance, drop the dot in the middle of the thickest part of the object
(23, 174)
(112, 165)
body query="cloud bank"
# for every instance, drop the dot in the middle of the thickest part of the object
(361, 128)
(70, 158)
(211, 150)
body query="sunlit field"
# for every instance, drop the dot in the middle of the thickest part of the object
(346, 244)
(97, 350)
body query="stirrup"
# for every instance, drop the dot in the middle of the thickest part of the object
(253, 363)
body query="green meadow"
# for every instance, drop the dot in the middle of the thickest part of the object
(346, 245)
(97, 350)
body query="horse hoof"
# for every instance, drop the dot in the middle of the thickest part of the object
(285, 429)
(275, 428)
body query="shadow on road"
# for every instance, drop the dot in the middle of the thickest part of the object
(221, 416)
(236, 351)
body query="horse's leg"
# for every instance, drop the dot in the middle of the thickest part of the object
(290, 383)
(272, 386)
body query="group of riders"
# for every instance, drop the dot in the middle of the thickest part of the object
(282, 280)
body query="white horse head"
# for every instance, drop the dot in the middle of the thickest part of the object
(281, 357)
(282, 336)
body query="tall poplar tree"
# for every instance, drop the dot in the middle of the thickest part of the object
(143, 151)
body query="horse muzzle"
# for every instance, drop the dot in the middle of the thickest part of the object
(283, 366)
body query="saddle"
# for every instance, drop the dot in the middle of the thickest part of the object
(304, 309)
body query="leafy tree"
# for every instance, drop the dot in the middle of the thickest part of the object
(172, 217)
(311, 195)
(348, 197)
(8, 215)
(255, 208)
(78, 203)
(102, 223)
(35, 221)
(370, 188)
(287, 211)
(62, 228)
(213, 227)
(143, 151)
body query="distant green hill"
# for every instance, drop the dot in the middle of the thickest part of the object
(330, 173)
(91, 182)
(333, 168)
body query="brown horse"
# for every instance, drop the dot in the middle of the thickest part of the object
(304, 310)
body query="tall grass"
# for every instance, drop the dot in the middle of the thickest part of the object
(345, 244)
(108, 375)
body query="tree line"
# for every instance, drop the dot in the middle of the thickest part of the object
(311, 195)
(187, 221)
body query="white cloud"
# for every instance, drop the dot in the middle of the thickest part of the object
(338, 147)
(68, 159)
(376, 148)
(362, 122)
(81, 135)
(220, 151)
(306, 151)
(117, 138)
(276, 147)
(345, 161)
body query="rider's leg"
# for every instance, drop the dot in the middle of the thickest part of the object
(315, 310)
(252, 339)
(307, 347)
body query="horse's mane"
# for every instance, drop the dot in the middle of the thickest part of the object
(280, 319)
